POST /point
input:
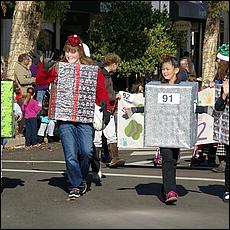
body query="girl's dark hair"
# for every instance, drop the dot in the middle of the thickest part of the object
(173, 60)
(30, 90)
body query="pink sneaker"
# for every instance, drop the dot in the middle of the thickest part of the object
(171, 197)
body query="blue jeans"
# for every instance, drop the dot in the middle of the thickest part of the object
(77, 143)
(31, 131)
(40, 95)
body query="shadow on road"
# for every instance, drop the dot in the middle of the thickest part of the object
(60, 182)
(154, 189)
(214, 190)
(11, 183)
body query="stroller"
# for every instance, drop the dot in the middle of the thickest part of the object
(157, 159)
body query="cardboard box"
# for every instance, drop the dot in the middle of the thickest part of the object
(221, 121)
(7, 114)
(170, 119)
(73, 97)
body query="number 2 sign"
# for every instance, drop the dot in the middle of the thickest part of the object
(205, 129)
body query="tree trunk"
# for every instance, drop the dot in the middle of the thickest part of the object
(26, 26)
(210, 47)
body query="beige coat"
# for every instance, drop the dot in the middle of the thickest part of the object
(23, 75)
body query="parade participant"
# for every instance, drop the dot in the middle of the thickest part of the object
(77, 137)
(108, 66)
(222, 104)
(170, 72)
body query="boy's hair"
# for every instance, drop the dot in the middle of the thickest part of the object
(111, 58)
(30, 90)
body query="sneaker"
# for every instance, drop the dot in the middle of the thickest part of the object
(226, 197)
(171, 197)
(74, 194)
(220, 168)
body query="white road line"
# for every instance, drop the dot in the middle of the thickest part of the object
(118, 175)
(18, 161)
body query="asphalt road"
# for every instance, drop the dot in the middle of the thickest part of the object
(34, 195)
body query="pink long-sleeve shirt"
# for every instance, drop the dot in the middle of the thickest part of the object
(31, 109)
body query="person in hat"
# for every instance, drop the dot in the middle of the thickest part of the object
(77, 137)
(222, 104)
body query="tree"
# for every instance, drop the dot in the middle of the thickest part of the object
(139, 35)
(211, 37)
(28, 18)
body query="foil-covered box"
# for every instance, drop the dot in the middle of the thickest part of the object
(7, 114)
(221, 120)
(73, 96)
(170, 118)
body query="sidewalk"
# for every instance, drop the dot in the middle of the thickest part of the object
(18, 141)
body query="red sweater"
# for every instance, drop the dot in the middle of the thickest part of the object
(45, 78)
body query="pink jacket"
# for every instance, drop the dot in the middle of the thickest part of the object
(31, 109)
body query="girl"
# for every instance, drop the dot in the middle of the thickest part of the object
(76, 137)
(31, 107)
(170, 75)
(222, 104)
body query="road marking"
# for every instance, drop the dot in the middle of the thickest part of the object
(117, 175)
(18, 161)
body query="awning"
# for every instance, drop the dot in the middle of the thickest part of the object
(188, 9)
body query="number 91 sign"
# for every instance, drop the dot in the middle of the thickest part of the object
(205, 129)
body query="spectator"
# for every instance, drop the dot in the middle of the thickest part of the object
(31, 108)
(24, 78)
(184, 62)
(23, 74)
(47, 126)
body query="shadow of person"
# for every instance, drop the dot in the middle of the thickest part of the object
(60, 182)
(11, 183)
(214, 190)
(154, 189)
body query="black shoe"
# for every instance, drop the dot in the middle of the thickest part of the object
(74, 194)
(96, 179)
(83, 190)
(50, 139)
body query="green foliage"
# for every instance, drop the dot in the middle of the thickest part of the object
(7, 6)
(139, 35)
(53, 10)
(216, 7)
(50, 10)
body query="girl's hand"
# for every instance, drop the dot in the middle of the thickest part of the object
(20, 116)
(118, 96)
